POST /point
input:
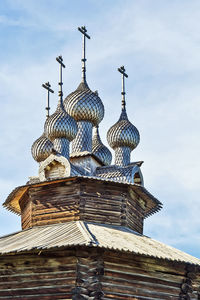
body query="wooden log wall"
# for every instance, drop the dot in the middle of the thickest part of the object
(196, 286)
(134, 213)
(51, 204)
(109, 203)
(94, 274)
(26, 208)
(128, 277)
(101, 202)
(81, 199)
(43, 277)
(90, 269)
(190, 287)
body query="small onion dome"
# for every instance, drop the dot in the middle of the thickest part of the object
(60, 125)
(99, 149)
(41, 148)
(123, 133)
(84, 105)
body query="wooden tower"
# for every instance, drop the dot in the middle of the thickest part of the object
(82, 217)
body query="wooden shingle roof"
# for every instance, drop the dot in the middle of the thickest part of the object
(81, 233)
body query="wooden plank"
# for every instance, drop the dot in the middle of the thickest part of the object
(150, 277)
(36, 290)
(63, 296)
(39, 276)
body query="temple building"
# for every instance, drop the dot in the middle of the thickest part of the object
(82, 216)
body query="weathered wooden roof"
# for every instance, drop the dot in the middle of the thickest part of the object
(81, 233)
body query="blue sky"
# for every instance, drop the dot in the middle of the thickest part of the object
(159, 44)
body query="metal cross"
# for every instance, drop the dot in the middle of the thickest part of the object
(122, 71)
(60, 83)
(47, 87)
(83, 30)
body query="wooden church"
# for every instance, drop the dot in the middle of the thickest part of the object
(82, 216)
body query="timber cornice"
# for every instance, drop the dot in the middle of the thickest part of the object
(152, 205)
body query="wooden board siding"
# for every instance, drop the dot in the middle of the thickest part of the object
(128, 277)
(32, 276)
(94, 201)
(55, 171)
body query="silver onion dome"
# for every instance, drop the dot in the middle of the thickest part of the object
(41, 148)
(84, 105)
(123, 133)
(60, 125)
(123, 136)
(99, 149)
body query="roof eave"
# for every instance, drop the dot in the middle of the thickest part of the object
(12, 201)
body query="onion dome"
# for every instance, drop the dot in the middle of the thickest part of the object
(123, 136)
(84, 105)
(123, 133)
(60, 125)
(99, 149)
(41, 148)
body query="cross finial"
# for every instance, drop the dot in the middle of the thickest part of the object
(47, 87)
(122, 71)
(60, 83)
(83, 30)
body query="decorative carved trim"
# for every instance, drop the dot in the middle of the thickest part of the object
(51, 160)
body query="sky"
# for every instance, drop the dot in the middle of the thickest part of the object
(158, 42)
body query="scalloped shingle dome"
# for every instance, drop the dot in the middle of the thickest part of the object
(100, 150)
(123, 133)
(41, 148)
(84, 105)
(60, 125)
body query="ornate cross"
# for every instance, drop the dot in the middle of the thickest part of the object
(83, 30)
(47, 87)
(122, 71)
(60, 83)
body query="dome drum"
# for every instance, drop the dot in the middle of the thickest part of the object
(83, 139)
(122, 156)
(61, 145)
